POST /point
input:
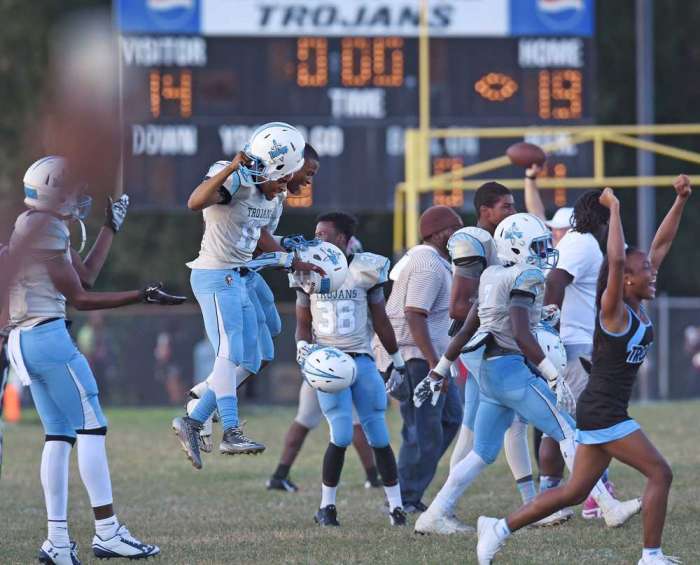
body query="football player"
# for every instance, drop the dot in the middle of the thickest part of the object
(269, 324)
(239, 198)
(45, 357)
(623, 335)
(472, 250)
(508, 307)
(347, 319)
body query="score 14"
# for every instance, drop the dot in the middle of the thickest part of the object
(171, 87)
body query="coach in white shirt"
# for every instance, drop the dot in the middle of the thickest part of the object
(572, 287)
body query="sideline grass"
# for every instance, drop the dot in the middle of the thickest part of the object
(223, 514)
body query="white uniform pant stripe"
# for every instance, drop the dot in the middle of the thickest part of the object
(90, 421)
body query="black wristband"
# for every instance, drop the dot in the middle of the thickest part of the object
(533, 177)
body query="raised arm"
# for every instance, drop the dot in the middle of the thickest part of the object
(533, 199)
(612, 307)
(669, 227)
(207, 192)
(89, 269)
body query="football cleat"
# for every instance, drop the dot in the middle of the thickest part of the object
(555, 519)
(620, 512)
(187, 431)
(286, 485)
(205, 442)
(54, 555)
(327, 516)
(659, 560)
(397, 517)
(431, 522)
(123, 544)
(489, 541)
(235, 442)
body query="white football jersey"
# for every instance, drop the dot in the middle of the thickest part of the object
(33, 295)
(341, 319)
(471, 242)
(232, 230)
(497, 286)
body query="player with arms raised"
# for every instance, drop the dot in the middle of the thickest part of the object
(623, 335)
(45, 357)
(347, 319)
(238, 199)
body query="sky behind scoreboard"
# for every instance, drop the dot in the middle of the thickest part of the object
(198, 75)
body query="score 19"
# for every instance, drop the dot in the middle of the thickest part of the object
(559, 92)
(364, 61)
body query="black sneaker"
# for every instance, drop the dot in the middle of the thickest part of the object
(373, 483)
(327, 516)
(273, 483)
(234, 443)
(187, 431)
(414, 507)
(397, 517)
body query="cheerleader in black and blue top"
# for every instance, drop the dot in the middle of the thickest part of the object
(623, 335)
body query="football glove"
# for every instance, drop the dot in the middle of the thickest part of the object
(394, 384)
(304, 348)
(115, 213)
(297, 241)
(154, 294)
(550, 314)
(428, 388)
(275, 259)
(565, 398)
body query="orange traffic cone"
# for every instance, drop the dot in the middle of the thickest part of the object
(11, 404)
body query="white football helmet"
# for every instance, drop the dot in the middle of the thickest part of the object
(551, 345)
(330, 259)
(524, 238)
(328, 369)
(277, 150)
(46, 188)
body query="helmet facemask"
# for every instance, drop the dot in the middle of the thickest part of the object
(542, 252)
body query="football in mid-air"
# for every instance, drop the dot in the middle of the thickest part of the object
(525, 154)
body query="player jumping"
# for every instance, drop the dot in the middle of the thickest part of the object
(623, 335)
(347, 319)
(238, 199)
(45, 357)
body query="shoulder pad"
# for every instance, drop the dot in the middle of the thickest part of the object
(472, 244)
(528, 280)
(369, 269)
(47, 231)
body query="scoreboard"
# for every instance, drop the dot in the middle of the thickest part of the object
(194, 89)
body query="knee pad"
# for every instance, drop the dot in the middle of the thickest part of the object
(309, 413)
(376, 430)
(487, 451)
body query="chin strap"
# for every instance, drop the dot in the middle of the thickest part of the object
(83, 235)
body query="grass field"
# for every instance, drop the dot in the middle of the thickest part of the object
(223, 514)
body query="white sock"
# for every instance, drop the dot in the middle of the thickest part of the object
(502, 528)
(463, 445)
(58, 533)
(651, 552)
(327, 495)
(223, 378)
(457, 482)
(94, 470)
(517, 449)
(393, 495)
(107, 527)
(55, 461)
(200, 388)
(241, 375)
